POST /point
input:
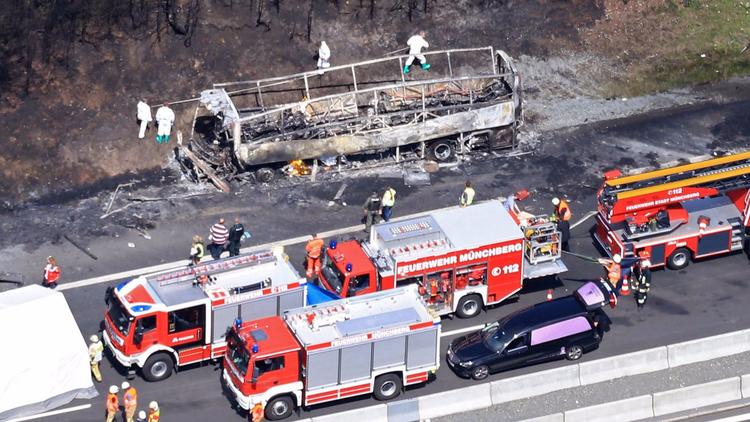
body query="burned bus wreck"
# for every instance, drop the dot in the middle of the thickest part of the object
(469, 99)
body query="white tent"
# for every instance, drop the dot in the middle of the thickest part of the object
(43, 358)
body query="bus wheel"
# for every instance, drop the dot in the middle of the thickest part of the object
(469, 306)
(158, 367)
(279, 408)
(441, 151)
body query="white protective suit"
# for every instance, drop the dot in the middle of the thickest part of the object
(416, 43)
(165, 118)
(324, 55)
(144, 116)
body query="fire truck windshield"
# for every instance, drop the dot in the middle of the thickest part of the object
(238, 355)
(120, 317)
(333, 276)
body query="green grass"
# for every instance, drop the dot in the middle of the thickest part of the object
(707, 39)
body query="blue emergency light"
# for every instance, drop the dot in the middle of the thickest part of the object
(238, 323)
(256, 349)
(140, 308)
(332, 244)
(349, 267)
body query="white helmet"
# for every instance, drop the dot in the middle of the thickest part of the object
(153, 405)
(555, 201)
(617, 258)
(113, 389)
(142, 415)
(125, 385)
(94, 338)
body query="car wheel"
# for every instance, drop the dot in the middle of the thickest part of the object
(387, 387)
(573, 352)
(441, 151)
(679, 259)
(469, 306)
(480, 372)
(279, 408)
(158, 367)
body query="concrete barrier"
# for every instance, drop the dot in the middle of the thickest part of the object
(708, 348)
(455, 401)
(641, 362)
(631, 409)
(535, 384)
(555, 417)
(745, 382)
(697, 396)
(403, 410)
(377, 413)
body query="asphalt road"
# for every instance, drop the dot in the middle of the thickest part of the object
(705, 299)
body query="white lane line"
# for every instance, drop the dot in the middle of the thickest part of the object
(287, 242)
(54, 412)
(461, 330)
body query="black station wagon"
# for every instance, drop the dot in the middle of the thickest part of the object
(568, 326)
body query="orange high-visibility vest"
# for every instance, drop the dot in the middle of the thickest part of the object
(113, 404)
(314, 247)
(614, 271)
(130, 398)
(257, 413)
(563, 211)
(153, 415)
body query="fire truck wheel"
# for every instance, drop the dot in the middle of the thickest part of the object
(679, 259)
(480, 372)
(441, 151)
(158, 367)
(387, 387)
(469, 306)
(279, 408)
(573, 352)
(264, 175)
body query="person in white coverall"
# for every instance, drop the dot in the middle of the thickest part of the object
(324, 55)
(164, 118)
(416, 43)
(144, 117)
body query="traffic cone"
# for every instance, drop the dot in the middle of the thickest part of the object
(625, 289)
(549, 294)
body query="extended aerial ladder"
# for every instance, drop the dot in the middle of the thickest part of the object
(696, 209)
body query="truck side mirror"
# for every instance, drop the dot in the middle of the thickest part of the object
(138, 334)
(256, 374)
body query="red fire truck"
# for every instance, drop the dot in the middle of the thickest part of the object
(688, 211)
(179, 317)
(372, 344)
(461, 258)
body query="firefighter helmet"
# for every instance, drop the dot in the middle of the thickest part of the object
(555, 201)
(113, 389)
(94, 338)
(153, 405)
(617, 258)
(125, 385)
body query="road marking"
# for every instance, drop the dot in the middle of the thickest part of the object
(737, 418)
(461, 330)
(55, 412)
(130, 274)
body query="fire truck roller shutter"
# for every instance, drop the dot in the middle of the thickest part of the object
(291, 299)
(357, 358)
(715, 242)
(657, 254)
(421, 349)
(389, 352)
(223, 318)
(322, 369)
(261, 308)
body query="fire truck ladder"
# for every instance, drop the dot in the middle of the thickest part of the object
(190, 273)
(722, 174)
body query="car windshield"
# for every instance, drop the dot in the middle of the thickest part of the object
(494, 337)
(238, 355)
(333, 276)
(120, 317)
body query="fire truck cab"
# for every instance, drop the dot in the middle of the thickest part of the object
(460, 258)
(372, 344)
(178, 317)
(676, 214)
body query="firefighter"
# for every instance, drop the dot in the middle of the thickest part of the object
(613, 269)
(256, 414)
(144, 117)
(164, 120)
(51, 273)
(154, 413)
(236, 232)
(129, 400)
(142, 416)
(416, 43)
(113, 404)
(197, 250)
(372, 209)
(96, 349)
(562, 215)
(642, 273)
(324, 56)
(467, 196)
(314, 249)
(388, 201)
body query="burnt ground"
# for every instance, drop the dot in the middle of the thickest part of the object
(71, 72)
